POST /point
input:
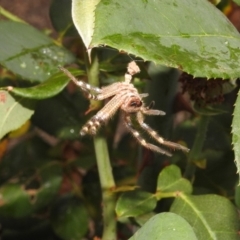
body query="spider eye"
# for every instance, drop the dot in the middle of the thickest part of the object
(135, 103)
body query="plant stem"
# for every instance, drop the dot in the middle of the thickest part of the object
(104, 167)
(107, 183)
(161, 195)
(10, 16)
(196, 150)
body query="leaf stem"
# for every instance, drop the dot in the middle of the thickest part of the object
(159, 195)
(104, 166)
(10, 16)
(196, 150)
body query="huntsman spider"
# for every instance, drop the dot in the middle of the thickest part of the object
(124, 97)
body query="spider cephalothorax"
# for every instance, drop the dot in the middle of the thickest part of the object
(124, 96)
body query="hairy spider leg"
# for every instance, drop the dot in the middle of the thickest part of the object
(84, 86)
(103, 115)
(133, 68)
(91, 126)
(99, 93)
(155, 135)
(143, 95)
(149, 111)
(115, 89)
(141, 140)
(152, 111)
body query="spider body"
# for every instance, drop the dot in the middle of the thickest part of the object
(124, 96)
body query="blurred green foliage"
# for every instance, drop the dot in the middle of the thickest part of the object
(49, 182)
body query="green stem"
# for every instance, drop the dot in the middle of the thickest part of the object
(104, 167)
(10, 16)
(107, 183)
(160, 195)
(196, 150)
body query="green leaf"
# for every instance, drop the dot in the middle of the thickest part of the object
(30, 53)
(142, 219)
(237, 1)
(236, 132)
(47, 89)
(215, 1)
(211, 216)
(170, 180)
(191, 35)
(167, 226)
(60, 13)
(70, 219)
(14, 112)
(135, 203)
(14, 202)
(84, 17)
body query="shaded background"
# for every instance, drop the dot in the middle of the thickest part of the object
(35, 12)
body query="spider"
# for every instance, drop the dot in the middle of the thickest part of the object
(124, 96)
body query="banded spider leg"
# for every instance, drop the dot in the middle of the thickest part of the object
(152, 133)
(119, 92)
(125, 97)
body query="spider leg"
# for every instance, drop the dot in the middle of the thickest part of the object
(87, 88)
(103, 115)
(143, 95)
(132, 69)
(91, 126)
(149, 111)
(152, 111)
(141, 140)
(113, 89)
(158, 138)
(96, 93)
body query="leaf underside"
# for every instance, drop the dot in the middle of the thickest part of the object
(191, 35)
